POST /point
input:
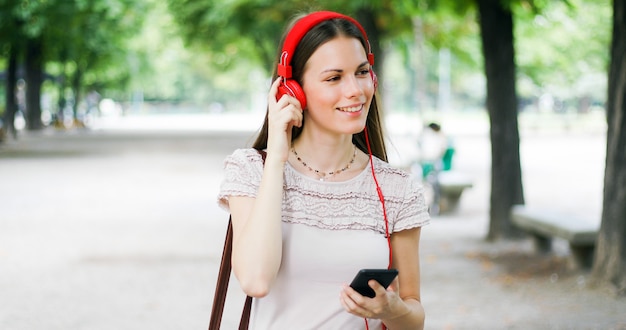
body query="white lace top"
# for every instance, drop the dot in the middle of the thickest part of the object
(330, 231)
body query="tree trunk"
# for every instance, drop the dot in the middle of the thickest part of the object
(76, 83)
(34, 80)
(11, 84)
(610, 258)
(62, 84)
(496, 27)
(367, 18)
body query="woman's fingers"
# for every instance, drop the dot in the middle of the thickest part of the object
(378, 289)
(271, 98)
(286, 110)
(288, 115)
(362, 306)
(354, 303)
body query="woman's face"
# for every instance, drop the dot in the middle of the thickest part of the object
(338, 86)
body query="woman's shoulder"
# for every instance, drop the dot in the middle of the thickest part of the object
(247, 155)
(386, 169)
(396, 180)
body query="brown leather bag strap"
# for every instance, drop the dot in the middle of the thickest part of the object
(223, 277)
(245, 314)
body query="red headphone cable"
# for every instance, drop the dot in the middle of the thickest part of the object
(382, 199)
(382, 202)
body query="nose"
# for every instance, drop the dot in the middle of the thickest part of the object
(352, 87)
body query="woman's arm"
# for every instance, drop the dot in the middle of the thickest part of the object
(257, 233)
(257, 240)
(409, 312)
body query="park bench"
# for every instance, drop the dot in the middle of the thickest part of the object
(451, 185)
(544, 225)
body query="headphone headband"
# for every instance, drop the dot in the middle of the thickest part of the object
(304, 25)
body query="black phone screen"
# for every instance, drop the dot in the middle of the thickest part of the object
(382, 276)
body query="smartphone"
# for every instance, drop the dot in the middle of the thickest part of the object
(382, 276)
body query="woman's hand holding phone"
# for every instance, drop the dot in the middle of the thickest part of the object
(386, 300)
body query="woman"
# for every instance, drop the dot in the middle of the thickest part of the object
(308, 216)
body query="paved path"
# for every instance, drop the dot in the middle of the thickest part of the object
(120, 230)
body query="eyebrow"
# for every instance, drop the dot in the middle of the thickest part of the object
(340, 70)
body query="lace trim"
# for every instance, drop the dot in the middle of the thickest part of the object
(351, 204)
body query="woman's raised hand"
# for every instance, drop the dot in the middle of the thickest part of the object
(282, 115)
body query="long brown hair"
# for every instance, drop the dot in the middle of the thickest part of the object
(318, 35)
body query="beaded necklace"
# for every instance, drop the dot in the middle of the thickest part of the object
(323, 176)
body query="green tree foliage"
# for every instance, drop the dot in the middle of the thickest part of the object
(252, 29)
(562, 50)
(232, 30)
(195, 76)
(79, 38)
(232, 33)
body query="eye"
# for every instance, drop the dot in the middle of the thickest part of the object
(363, 72)
(333, 78)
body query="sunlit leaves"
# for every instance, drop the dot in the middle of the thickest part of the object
(565, 45)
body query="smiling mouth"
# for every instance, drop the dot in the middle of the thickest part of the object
(351, 109)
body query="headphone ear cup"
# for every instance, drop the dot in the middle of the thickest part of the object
(374, 79)
(292, 88)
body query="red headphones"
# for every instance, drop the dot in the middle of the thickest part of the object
(290, 86)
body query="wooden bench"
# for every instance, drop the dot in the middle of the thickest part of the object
(451, 185)
(544, 225)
